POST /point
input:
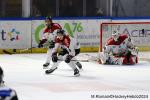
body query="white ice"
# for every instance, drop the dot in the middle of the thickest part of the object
(25, 74)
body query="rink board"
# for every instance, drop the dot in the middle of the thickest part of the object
(23, 34)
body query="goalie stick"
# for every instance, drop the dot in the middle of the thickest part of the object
(96, 58)
(90, 58)
(83, 60)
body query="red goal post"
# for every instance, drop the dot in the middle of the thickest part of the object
(139, 32)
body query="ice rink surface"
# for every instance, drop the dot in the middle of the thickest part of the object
(25, 74)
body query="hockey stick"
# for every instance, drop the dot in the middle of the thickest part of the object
(14, 51)
(80, 60)
(83, 60)
(93, 58)
(142, 59)
(6, 52)
(23, 50)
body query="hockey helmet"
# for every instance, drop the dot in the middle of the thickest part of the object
(48, 18)
(115, 34)
(60, 32)
(48, 22)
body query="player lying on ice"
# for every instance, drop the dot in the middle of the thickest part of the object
(119, 50)
(67, 52)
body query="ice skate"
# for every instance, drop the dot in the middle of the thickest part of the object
(79, 65)
(76, 73)
(50, 71)
(45, 65)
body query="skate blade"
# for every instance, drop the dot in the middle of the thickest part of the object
(77, 75)
(45, 67)
(81, 69)
(47, 73)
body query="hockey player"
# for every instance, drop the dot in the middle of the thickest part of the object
(6, 93)
(48, 38)
(67, 53)
(119, 50)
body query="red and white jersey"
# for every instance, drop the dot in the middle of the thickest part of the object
(49, 33)
(67, 43)
(121, 46)
(54, 26)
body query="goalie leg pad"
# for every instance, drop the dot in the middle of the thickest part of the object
(114, 60)
(102, 58)
(120, 60)
(132, 60)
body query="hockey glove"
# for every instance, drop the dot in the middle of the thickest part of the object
(77, 51)
(54, 57)
(51, 44)
(63, 52)
(40, 45)
(68, 58)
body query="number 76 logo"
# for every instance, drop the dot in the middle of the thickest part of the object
(74, 27)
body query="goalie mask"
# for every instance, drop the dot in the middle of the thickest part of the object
(115, 35)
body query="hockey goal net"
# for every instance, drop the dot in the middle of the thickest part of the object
(139, 33)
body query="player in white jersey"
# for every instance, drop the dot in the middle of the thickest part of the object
(119, 50)
(6, 93)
